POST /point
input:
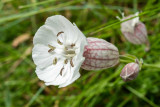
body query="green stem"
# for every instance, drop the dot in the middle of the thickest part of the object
(140, 95)
(151, 65)
(125, 61)
(35, 96)
(127, 58)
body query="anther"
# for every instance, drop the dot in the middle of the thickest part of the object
(55, 61)
(59, 33)
(59, 42)
(51, 48)
(71, 62)
(61, 71)
(72, 45)
(65, 61)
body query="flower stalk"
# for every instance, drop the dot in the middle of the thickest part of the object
(127, 58)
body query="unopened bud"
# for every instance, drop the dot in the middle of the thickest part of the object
(130, 71)
(99, 54)
(135, 31)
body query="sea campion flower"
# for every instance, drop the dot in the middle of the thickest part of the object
(58, 51)
(130, 71)
(99, 54)
(134, 30)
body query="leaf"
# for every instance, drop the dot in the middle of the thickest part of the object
(20, 39)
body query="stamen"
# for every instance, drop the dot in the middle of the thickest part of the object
(71, 62)
(55, 61)
(51, 48)
(72, 45)
(61, 71)
(59, 33)
(65, 61)
(59, 42)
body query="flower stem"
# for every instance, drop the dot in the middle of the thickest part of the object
(127, 58)
(125, 61)
(151, 65)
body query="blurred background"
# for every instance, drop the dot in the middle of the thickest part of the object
(19, 85)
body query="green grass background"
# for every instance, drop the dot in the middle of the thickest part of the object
(19, 85)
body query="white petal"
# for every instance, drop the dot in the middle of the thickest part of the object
(60, 79)
(59, 23)
(76, 73)
(41, 57)
(69, 77)
(45, 36)
(80, 37)
(50, 73)
(70, 82)
(134, 21)
(80, 51)
(80, 43)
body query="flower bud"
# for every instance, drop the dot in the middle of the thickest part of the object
(130, 71)
(135, 31)
(99, 54)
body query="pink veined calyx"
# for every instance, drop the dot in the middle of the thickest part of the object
(99, 54)
(130, 71)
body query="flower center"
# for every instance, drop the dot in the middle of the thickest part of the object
(68, 52)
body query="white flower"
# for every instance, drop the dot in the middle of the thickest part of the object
(58, 51)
